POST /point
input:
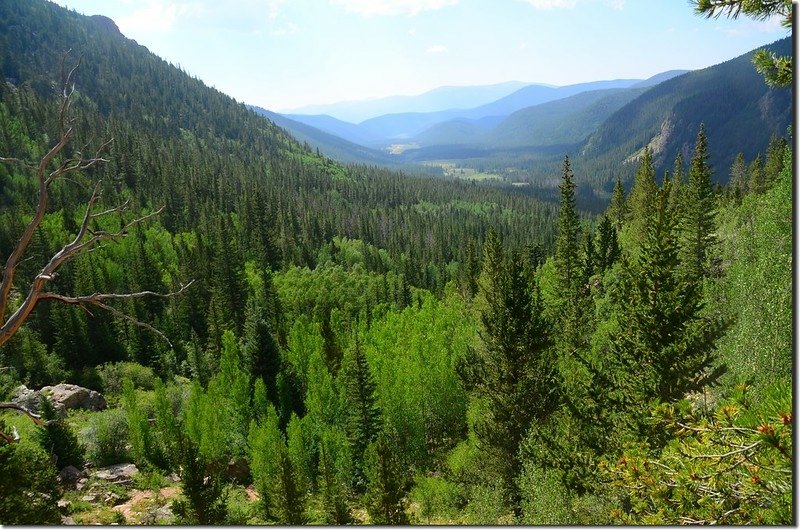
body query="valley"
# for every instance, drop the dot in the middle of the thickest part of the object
(562, 302)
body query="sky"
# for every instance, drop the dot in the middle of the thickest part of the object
(284, 54)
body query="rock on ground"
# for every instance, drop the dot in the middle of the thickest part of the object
(64, 396)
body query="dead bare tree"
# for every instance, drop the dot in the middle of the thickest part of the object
(49, 170)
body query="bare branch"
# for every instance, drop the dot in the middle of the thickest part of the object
(37, 419)
(86, 239)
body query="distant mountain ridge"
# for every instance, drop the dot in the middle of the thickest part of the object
(438, 99)
(380, 131)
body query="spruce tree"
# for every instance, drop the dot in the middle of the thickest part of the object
(617, 211)
(260, 349)
(364, 415)
(607, 244)
(774, 160)
(642, 198)
(666, 346)
(678, 190)
(697, 227)
(386, 483)
(737, 183)
(757, 180)
(567, 242)
(513, 369)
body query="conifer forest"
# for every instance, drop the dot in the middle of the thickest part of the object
(254, 332)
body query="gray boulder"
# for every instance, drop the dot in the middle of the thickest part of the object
(64, 396)
(118, 473)
(75, 397)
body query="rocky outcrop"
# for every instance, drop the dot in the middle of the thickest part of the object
(64, 397)
(118, 473)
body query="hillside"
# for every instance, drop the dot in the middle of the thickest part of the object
(739, 110)
(206, 322)
(561, 122)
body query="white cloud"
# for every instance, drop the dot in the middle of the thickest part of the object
(156, 15)
(619, 5)
(369, 8)
(437, 48)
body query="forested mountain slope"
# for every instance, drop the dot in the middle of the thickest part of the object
(363, 346)
(739, 110)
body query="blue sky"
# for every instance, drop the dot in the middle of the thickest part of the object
(283, 54)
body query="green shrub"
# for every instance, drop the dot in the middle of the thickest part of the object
(545, 500)
(113, 374)
(437, 497)
(107, 437)
(28, 487)
(58, 440)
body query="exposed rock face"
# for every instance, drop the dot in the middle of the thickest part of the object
(64, 397)
(75, 397)
(118, 473)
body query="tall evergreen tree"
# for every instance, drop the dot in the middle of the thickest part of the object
(677, 195)
(666, 347)
(617, 210)
(513, 370)
(697, 226)
(567, 242)
(774, 160)
(607, 244)
(757, 181)
(738, 177)
(642, 198)
(260, 349)
(386, 483)
(364, 415)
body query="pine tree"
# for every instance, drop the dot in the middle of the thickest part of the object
(566, 252)
(607, 244)
(58, 440)
(666, 347)
(757, 180)
(738, 178)
(678, 192)
(697, 226)
(386, 483)
(774, 161)
(260, 349)
(513, 370)
(364, 415)
(617, 211)
(472, 268)
(589, 259)
(642, 198)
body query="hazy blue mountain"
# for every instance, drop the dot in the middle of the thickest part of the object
(537, 94)
(442, 98)
(566, 120)
(330, 145)
(344, 129)
(731, 99)
(660, 78)
(402, 127)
